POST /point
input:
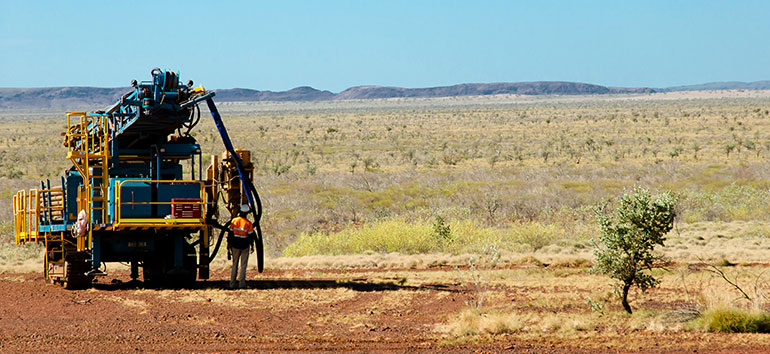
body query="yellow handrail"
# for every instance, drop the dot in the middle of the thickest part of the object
(25, 215)
(28, 209)
(119, 203)
(34, 221)
(17, 212)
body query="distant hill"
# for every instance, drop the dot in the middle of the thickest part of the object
(302, 93)
(60, 97)
(727, 85)
(516, 88)
(98, 97)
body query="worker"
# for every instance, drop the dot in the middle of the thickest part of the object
(240, 237)
(81, 226)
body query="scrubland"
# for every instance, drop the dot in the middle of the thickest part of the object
(424, 183)
(526, 172)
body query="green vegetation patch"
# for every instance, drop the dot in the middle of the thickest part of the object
(734, 320)
(424, 236)
(734, 202)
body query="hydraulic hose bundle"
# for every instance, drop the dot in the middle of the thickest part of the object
(255, 203)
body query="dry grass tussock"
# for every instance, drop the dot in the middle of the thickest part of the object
(732, 299)
(473, 323)
(737, 242)
(396, 260)
(570, 303)
(537, 303)
(21, 259)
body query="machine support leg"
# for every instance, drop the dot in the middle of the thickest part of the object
(134, 270)
(96, 256)
(96, 252)
(203, 260)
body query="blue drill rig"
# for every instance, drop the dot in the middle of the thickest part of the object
(136, 191)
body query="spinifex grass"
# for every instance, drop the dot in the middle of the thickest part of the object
(734, 320)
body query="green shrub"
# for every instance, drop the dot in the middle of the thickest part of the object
(535, 234)
(422, 236)
(441, 231)
(394, 235)
(732, 320)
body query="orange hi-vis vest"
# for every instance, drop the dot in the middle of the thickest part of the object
(241, 227)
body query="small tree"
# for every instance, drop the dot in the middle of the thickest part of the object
(624, 250)
(441, 230)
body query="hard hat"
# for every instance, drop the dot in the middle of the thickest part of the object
(245, 208)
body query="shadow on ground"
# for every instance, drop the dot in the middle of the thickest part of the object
(267, 284)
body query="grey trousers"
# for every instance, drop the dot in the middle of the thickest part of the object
(241, 255)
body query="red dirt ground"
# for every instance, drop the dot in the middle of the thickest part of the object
(294, 311)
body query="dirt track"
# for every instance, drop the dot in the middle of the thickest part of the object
(283, 311)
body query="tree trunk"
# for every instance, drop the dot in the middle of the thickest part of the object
(624, 300)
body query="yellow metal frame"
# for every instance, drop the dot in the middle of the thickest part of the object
(88, 149)
(152, 222)
(27, 209)
(25, 216)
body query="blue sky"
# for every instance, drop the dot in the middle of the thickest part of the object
(337, 44)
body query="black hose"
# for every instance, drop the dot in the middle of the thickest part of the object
(258, 213)
(191, 121)
(223, 228)
(195, 122)
(257, 218)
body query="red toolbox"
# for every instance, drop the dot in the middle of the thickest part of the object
(186, 207)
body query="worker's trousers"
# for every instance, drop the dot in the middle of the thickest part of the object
(239, 256)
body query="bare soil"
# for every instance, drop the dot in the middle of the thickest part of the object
(306, 310)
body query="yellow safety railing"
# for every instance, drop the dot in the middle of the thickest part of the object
(19, 227)
(119, 221)
(28, 208)
(25, 211)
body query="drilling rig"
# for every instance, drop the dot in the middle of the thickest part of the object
(137, 191)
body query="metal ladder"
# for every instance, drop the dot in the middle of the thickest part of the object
(88, 144)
